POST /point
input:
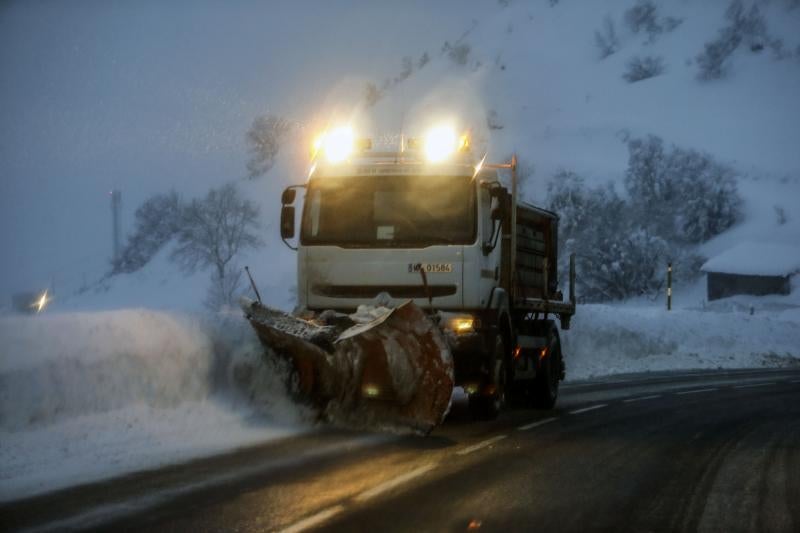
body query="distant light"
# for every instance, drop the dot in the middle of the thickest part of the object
(41, 303)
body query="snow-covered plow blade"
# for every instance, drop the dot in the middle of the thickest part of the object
(379, 367)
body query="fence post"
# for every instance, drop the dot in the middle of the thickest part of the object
(669, 286)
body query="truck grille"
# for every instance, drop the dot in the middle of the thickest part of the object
(395, 291)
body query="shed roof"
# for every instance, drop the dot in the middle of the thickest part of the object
(756, 259)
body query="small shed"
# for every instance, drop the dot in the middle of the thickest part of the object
(752, 268)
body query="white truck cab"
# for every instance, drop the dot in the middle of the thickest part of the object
(387, 227)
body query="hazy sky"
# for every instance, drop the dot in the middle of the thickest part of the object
(148, 95)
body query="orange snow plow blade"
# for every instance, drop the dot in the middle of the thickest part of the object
(393, 370)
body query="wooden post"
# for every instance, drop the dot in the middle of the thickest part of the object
(669, 287)
(513, 280)
(572, 278)
(546, 291)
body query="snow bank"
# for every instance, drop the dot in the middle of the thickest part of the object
(607, 339)
(90, 395)
(59, 366)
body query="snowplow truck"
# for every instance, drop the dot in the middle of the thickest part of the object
(465, 273)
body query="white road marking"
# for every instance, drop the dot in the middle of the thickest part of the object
(482, 444)
(585, 409)
(754, 385)
(642, 398)
(595, 383)
(394, 482)
(536, 424)
(695, 391)
(314, 520)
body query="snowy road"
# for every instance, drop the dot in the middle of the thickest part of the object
(678, 451)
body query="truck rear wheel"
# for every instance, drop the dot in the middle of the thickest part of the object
(487, 404)
(545, 386)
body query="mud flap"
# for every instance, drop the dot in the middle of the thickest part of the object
(393, 371)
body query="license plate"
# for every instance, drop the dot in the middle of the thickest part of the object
(431, 268)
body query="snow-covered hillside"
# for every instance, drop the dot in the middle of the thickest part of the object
(534, 67)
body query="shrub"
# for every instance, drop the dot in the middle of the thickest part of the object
(458, 53)
(643, 68)
(746, 26)
(606, 38)
(493, 121)
(423, 60)
(643, 16)
(372, 94)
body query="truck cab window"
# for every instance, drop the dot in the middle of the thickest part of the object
(390, 211)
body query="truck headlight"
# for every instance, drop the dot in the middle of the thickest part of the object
(465, 324)
(337, 144)
(440, 143)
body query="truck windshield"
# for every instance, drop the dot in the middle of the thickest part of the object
(390, 211)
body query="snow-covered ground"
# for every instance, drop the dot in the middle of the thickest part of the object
(88, 395)
(612, 339)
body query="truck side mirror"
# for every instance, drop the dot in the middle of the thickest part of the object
(497, 213)
(497, 219)
(287, 220)
(288, 196)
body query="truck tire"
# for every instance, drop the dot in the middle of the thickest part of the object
(485, 405)
(545, 386)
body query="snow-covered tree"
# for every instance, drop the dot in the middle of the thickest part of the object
(265, 138)
(709, 202)
(213, 231)
(592, 221)
(675, 198)
(156, 221)
(623, 264)
(682, 195)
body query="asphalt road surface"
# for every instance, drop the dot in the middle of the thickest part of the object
(697, 451)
